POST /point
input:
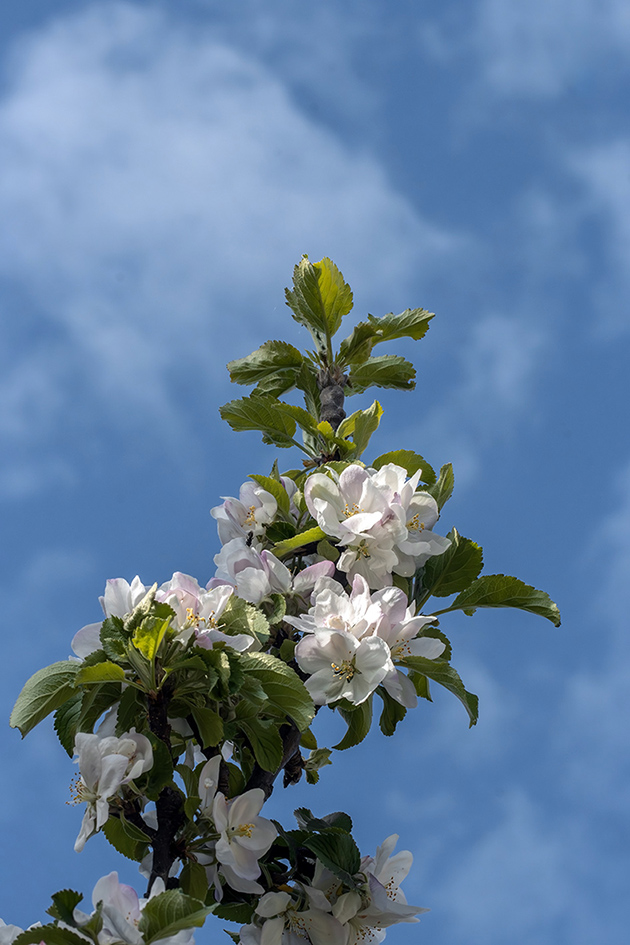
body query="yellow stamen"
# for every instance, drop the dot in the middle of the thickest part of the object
(346, 670)
(415, 524)
(250, 518)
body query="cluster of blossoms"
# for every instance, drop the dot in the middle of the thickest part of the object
(326, 912)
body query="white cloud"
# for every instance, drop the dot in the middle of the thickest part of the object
(160, 186)
(538, 48)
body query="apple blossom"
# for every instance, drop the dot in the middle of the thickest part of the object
(244, 836)
(284, 923)
(342, 667)
(119, 600)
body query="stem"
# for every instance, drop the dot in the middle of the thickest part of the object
(331, 383)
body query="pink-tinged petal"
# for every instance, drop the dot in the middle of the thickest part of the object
(87, 640)
(306, 580)
(252, 585)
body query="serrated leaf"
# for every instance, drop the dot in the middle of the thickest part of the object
(66, 722)
(131, 709)
(141, 610)
(100, 673)
(306, 381)
(260, 412)
(442, 490)
(96, 700)
(338, 852)
(453, 570)
(148, 637)
(50, 934)
(501, 590)
(64, 903)
(114, 638)
(275, 358)
(276, 489)
(393, 713)
(361, 425)
(302, 417)
(318, 758)
(357, 347)
(319, 299)
(412, 323)
(210, 725)
(45, 691)
(193, 880)
(444, 674)
(266, 743)
(285, 691)
(358, 721)
(240, 617)
(298, 541)
(386, 370)
(127, 839)
(234, 912)
(171, 912)
(410, 461)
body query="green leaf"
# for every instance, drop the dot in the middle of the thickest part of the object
(285, 691)
(141, 610)
(45, 691)
(266, 743)
(444, 674)
(277, 608)
(298, 541)
(170, 912)
(64, 903)
(453, 570)
(148, 637)
(240, 912)
(412, 323)
(276, 358)
(442, 490)
(387, 370)
(161, 773)
(338, 852)
(193, 880)
(240, 617)
(320, 298)
(307, 382)
(114, 638)
(328, 551)
(276, 489)
(131, 710)
(318, 758)
(210, 725)
(308, 740)
(127, 839)
(50, 934)
(357, 347)
(101, 672)
(500, 590)
(66, 722)
(421, 685)
(96, 700)
(410, 461)
(260, 412)
(359, 721)
(302, 417)
(361, 425)
(393, 712)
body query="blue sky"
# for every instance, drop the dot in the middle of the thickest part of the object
(163, 166)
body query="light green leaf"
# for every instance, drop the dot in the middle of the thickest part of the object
(285, 691)
(319, 298)
(358, 721)
(240, 617)
(357, 347)
(274, 488)
(260, 412)
(412, 323)
(318, 758)
(453, 570)
(387, 370)
(149, 635)
(101, 672)
(361, 425)
(275, 358)
(410, 461)
(500, 590)
(45, 691)
(266, 743)
(171, 912)
(302, 417)
(298, 541)
(141, 610)
(444, 674)
(442, 490)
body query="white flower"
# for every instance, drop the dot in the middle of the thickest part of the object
(333, 609)
(342, 667)
(286, 925)
(257, 574)
(254, 509)
(104, 765)
(244, 836)
(209, 783)
(9, 933)
(119, 599)
(378, 517)
(198, 612)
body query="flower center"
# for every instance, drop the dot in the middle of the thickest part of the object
(250, 518)
(79, 792)
(353, 509)
(415, 524)
(244, 830)
(362, 551)
(344, 670)
(191, 617)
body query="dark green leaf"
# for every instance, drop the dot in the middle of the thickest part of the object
(114, 638)
(272, 358)
(50, 935)
(127, 839)
(210, 725)
(357, 347)
(64, 903)
(266, 743)
(338, 852)
(410, 461)
(66, 722)
(393, 713)
(307, 382)
(285, 691)
(161, 773)
(44, 692)
(260, 412)
(193, 880)
(500, 590)
(442, 490)
(421, 685)
(302, 417)
(170, 912)
(444, 674)
(234, 912)
(412, 323)
(387, 370)
(359, 721)
(132, 711)
(96, 700)
(453, 570)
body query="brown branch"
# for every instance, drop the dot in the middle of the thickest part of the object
(331, 386)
